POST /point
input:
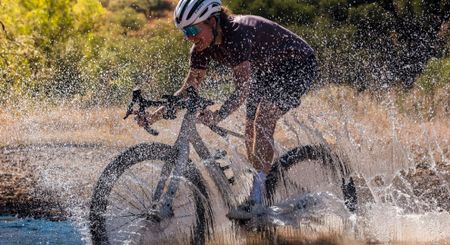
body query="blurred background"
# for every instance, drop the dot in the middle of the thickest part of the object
(382, 100)
(94, 52)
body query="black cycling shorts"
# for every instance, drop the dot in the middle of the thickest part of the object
(283, 84)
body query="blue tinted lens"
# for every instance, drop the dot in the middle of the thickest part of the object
(191, 31)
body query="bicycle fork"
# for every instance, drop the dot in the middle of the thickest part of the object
(164, 196)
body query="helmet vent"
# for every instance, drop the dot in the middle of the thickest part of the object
(194, 8)
(180, 16)
(204, 12)
(190, 12)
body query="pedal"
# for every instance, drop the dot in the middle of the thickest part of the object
(225, 166)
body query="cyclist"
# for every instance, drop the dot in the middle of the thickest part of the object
(272, 68)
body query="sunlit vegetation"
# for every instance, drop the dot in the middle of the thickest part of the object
(84, 51)
(95, 52)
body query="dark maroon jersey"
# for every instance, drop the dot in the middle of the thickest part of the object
(255, 39)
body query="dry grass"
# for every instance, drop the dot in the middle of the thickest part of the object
(357, 122)
(69, 125)
(376, 130)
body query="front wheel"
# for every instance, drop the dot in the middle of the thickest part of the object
(313, 166)
(124, 207)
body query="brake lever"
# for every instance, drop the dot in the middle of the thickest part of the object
(129, 110)
(150, 130)
(143, 104)
(137, 97)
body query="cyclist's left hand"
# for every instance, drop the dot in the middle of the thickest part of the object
(208, 118)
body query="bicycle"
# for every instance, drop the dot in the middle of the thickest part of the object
(154, 189)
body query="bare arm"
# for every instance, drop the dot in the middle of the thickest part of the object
(194, 78)
(242, 76)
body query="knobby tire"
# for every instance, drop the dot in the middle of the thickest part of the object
(133, 156)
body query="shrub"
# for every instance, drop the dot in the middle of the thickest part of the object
(130, 20)
(156, 59)
(435, 75)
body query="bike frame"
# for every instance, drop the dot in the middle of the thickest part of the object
(188, 134)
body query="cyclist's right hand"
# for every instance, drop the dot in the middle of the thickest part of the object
(149, 118)
(141, 119)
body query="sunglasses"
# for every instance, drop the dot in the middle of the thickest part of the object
(191, 31)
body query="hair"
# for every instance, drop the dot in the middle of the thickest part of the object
(225, 15)
(225, 11)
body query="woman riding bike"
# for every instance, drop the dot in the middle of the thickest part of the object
(272, 68)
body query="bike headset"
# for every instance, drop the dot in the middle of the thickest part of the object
(191, 12)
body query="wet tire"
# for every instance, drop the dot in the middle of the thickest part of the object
(319, 154)
(124, 194)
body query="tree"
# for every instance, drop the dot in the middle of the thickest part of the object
(406, 33)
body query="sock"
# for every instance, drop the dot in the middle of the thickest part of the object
(258, 188)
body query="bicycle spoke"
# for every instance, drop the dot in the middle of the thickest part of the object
(120, 227)
(123, 210)
(185, 203)
(117, 207)
(134, 194)
(125, 200)
(147, 197)
(127, 215)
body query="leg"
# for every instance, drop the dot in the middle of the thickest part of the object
(249, 138)
(251, 107)
(261, 147)
(263, 114)
(264, 125)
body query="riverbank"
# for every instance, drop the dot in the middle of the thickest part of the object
(18, 195)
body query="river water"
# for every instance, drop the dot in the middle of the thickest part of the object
(14, 230)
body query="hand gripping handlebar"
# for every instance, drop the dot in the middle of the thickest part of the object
(192, 102)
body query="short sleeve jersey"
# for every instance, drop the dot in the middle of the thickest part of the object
(254, 39)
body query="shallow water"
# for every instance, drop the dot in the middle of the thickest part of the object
(15, 230)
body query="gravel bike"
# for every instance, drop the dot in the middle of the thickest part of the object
(154, 193)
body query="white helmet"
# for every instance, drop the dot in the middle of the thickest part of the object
(190, 12)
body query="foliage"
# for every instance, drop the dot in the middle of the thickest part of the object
(122, 62)
(97, 51)
(435, 75)
(130, 20)
(78, 50)
(333, 46)
(285, 11)
(87, 15)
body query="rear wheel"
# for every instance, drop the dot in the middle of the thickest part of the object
(308, 168)
(124, 203)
